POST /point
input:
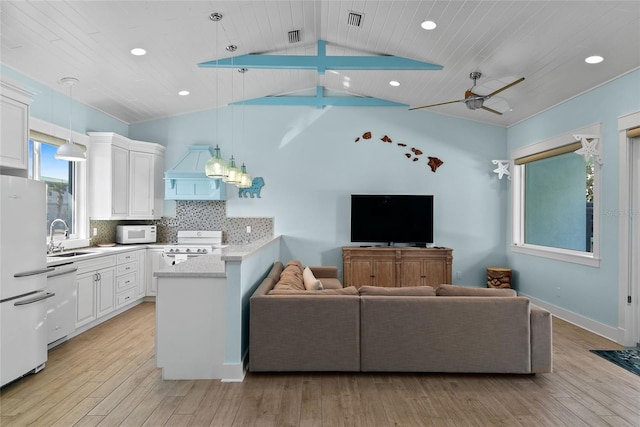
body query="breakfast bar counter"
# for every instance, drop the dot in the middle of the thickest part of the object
(202, 308)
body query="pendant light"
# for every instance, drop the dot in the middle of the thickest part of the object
(233, 176)
(245, 179)
(216, 167)
(70, 151)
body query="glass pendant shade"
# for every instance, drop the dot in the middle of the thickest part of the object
(70, 152)
(234, 173)
(245, 178)
(216, 167)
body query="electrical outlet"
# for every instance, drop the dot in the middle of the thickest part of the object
(458, 275)
(248, 229)
(95, 231)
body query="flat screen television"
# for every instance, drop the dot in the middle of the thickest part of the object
(386, 218)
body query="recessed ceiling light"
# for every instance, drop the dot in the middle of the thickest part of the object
(394, 83)
(428, 25)
(595, 59)
(184, 93)
(138, 51)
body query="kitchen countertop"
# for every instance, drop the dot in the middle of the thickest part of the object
(214, 265)
(209, 264)
(94, 252)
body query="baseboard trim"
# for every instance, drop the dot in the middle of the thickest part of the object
(609, 332)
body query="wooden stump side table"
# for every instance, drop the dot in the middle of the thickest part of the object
(498, 277)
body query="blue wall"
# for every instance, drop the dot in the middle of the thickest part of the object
(311, 165)
(586, 291)
(53, 106)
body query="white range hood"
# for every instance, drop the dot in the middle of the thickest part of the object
(187, 180)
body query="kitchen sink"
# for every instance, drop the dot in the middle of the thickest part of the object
(69, 254)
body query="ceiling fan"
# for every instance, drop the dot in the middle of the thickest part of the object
(472, 100)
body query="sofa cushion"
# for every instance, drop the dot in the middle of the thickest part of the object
(291, 277)
(331, 283)
(456, 291)
(310, 281)
(409, 291)
(349, 290)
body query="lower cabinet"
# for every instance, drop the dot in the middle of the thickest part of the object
(105, 291)
(109, 283)
(95, 289)
(155, 262)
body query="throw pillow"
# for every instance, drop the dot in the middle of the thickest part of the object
(291, 277)
(350, 290)
(456, 291)
(310, 281)
(409, 291)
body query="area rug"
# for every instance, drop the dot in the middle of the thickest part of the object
(627, 359)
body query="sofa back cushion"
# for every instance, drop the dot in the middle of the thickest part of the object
(409, 291)
(349, 290)
(463, 291)
(291, 277)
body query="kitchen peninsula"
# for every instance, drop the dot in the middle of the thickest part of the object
(202, 311)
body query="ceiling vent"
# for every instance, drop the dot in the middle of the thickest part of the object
(355, 18)
(294, 36)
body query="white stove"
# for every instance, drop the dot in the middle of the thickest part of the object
(193, 243)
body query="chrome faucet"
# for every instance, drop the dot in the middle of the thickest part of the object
(52, 247)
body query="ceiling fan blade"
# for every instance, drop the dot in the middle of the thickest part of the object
(434, 105)
(506, 87)
(491, 110)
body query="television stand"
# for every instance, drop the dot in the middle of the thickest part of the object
(396, 267)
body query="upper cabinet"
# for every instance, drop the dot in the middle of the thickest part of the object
(125, 177)
(14, 132)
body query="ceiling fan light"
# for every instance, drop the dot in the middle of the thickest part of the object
(474, 103)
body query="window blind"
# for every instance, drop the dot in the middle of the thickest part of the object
(50, 139)
(633, 133)
(549, 153)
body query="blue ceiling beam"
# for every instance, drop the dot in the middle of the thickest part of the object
(320, 62)
(320, 101)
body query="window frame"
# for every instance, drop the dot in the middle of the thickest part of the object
(81, 236)
(518, 244)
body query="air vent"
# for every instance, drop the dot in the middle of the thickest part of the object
(294, 36)
(355, 18)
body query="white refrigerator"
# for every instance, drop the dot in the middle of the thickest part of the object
(23, 277)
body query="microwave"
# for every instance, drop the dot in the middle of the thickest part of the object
(130, 234)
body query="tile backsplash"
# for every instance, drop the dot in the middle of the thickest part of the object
(194, 215)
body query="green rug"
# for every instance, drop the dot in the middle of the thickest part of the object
(627, 359)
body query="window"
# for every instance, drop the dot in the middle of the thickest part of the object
(555, 199)
(59, 177)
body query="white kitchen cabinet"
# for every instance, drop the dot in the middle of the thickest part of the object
(128, 277)
(105, 291)
(125, 177)
(85, 299)
(142, 274)
(95, 289)
(155, 263)
(14, 132)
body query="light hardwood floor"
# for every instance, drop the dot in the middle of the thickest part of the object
(107, 377)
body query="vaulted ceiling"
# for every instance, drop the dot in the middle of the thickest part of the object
(544, 41)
